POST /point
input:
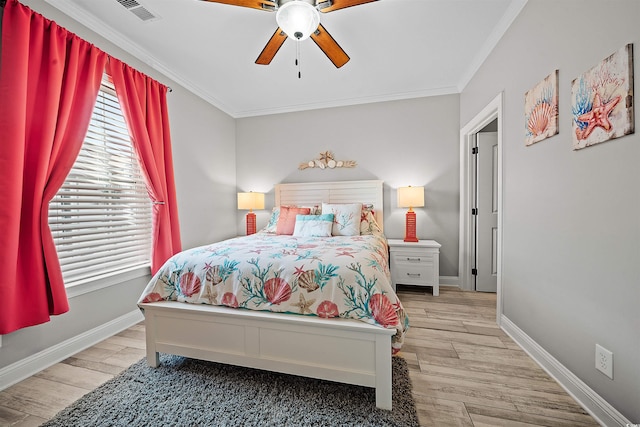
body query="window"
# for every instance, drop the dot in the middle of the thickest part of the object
(101, 217)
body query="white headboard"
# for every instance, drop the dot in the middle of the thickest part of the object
(315, 193)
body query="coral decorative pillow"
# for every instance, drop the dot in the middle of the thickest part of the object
(346, 221)
(313, 225)
(272, 225)
(368, 223)
(287, 218)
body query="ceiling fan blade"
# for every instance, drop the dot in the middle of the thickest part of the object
(331, 5)
(254, 4)
(272, 47)
(330, 47)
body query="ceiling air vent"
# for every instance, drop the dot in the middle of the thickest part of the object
(139, 10)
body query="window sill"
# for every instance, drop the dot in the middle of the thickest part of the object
(93, 284)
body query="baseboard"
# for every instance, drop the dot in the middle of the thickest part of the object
(25, 368)
(450, 281)
(591, 401)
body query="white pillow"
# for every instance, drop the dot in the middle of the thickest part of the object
(346, 218)
(313, 225)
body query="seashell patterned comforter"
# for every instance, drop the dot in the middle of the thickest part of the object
(338, 276)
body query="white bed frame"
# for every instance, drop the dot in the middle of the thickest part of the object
(342, 350)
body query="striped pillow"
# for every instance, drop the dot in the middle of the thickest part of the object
(313, 225)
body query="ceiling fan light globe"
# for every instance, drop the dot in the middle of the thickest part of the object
(298, 19)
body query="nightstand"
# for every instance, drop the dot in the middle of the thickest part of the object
(415, 263)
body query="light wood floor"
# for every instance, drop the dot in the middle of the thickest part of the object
(465, 371)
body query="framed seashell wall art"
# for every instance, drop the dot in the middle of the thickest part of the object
(326, 160)
(602, 100)
(541, 110)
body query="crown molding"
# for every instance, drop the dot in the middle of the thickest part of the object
(93, 23)
(514, 9)
(346, 102)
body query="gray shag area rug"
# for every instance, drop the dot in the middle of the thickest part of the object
(188, 392)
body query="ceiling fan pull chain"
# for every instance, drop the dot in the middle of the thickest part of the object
(298, 58)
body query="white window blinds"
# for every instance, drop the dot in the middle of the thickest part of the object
(101, 217)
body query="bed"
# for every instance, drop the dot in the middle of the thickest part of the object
(305, 304)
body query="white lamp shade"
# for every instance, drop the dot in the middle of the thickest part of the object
(250, 201)
(298, 19)
(410, 197)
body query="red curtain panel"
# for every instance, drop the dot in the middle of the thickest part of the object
(144, 104)
(49, 81)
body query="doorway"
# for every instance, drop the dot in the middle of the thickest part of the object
(484, 212)
(467, 248)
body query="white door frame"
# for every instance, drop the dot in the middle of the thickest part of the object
(467, 137)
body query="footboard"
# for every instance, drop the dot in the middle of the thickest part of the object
(341, 350)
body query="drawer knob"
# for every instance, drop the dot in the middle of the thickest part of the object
(413, 274)
(413, 259)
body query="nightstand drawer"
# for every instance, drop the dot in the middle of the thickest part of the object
(412, 258)
(413, 274)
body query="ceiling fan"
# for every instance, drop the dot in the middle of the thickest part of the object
(299, 19)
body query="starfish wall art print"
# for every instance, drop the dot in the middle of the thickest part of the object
(602, 100)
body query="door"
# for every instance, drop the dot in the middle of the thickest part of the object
(486, 212)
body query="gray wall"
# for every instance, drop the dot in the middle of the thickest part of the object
(411, 142)
(571, 225)
(204, 157)
(203, 140)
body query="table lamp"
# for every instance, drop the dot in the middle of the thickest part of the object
(250, 201)
(410, 197)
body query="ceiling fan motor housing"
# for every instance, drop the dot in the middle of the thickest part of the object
(283, 2)
(298, 18)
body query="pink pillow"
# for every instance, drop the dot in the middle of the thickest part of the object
(287, 218)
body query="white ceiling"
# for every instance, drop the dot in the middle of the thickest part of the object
(399, 49)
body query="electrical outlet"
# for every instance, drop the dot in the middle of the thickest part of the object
(604, 361)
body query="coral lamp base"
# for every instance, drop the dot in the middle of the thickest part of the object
(410, 229)
(251, 223)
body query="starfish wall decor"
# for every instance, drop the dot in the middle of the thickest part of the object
(326, 160)
(602, 100)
